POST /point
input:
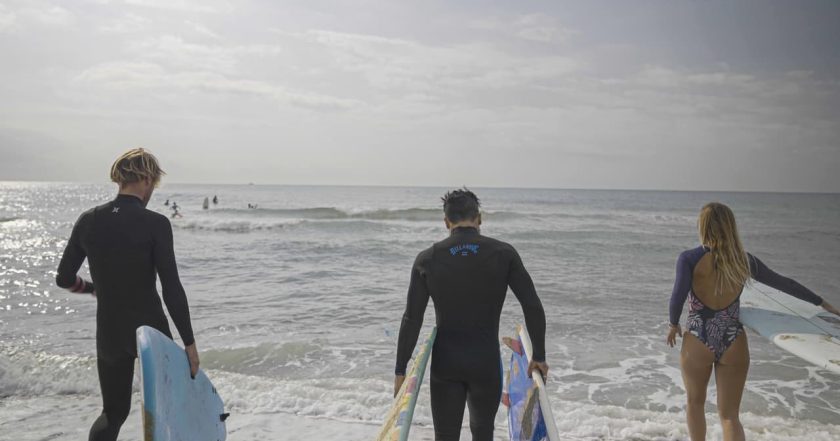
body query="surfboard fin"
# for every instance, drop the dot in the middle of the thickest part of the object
(513, 344)
(224, 417)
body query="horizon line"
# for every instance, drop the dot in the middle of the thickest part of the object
(486, 187)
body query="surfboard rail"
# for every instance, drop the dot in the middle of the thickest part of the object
(175, 406)
(545, 405)
(398, 419)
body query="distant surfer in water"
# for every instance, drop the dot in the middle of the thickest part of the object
(176, 213)
(467, 276)
(215, 200)
(712, 277)
(127, 246)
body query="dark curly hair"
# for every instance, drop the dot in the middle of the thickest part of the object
(460, 205)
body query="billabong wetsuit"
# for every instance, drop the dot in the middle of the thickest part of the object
(718, 329)
(467, 276)
(126, 246)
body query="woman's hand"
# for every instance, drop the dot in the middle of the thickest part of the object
(674, 332)
(827, 306)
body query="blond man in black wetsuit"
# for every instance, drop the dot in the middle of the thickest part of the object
(467, 276)
(127, 246)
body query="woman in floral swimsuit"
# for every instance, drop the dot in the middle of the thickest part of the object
(712, 277)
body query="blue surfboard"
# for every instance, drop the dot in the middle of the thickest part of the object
(175, 406)
(529, 412)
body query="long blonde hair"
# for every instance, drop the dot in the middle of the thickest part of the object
(719, 233)
(136, 165)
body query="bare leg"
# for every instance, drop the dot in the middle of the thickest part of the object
(696, 361)
(731, 375)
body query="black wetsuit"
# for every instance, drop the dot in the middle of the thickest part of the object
(126, 245)
(467, 276)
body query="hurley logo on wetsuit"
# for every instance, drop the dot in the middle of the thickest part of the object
(464, 249)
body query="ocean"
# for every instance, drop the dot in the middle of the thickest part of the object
(296, 306)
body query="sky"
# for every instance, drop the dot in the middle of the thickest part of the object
(673, 95)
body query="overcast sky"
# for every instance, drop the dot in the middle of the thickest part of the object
(718, 95)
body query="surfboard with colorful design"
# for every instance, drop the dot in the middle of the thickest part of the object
(529, 412)
(398, 419)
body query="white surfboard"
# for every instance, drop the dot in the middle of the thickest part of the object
(798, 327)
(520, 418)
(398, 419)
(175, 406)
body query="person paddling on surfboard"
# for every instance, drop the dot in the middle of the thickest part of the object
(126, 246)
(467, 276)
(712, 276)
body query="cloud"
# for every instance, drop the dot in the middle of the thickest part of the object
(141, 75)
(180, 53)
(176, 52)
(787, 99)
(541, 28)
(52, 15)
(8, 19)
(412, 66)
(128, 24)
(520, 90)
(34, 13)
(536, 27)
(202, 30)
(194, 6)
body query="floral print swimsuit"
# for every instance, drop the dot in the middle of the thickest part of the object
(718, 329)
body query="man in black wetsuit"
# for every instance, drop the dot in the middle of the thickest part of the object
(467, 276)
(126, 246)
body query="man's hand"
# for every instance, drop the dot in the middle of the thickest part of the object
(398, 381)
(192, 356)
(827, 306)
(539, 366)
(674, 332)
